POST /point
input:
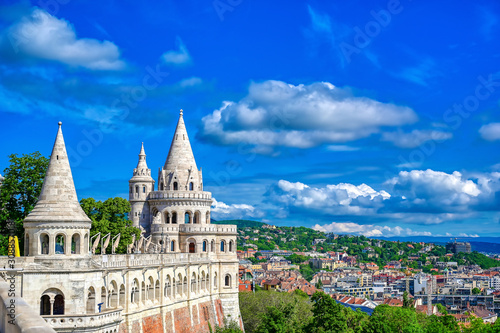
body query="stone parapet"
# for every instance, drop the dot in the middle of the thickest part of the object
(180, 195)
(97, 322)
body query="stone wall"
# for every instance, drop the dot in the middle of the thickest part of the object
(194, 318)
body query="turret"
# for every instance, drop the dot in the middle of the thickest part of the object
(140, 185)
(57, 225)
(180, 172)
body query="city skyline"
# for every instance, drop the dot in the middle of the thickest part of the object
(378, 119)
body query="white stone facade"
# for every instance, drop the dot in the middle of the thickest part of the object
(192, 270)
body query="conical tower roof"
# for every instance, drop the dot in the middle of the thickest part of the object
(142, 171)
(58, 201)
(180, 157)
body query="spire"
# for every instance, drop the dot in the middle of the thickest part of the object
(180, 157)
(142, 159)
(58, 201)
(142, 169)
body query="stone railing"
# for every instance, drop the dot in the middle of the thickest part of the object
(107, 319)
(147, 259)
(193, 195)
(17, 316)
(195, 228)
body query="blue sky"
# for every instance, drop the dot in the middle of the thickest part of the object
(365, 117)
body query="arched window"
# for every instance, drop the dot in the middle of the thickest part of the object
(161, 187)
(58, 305)
(193, 283)
(59, 246)
(191, 186)
(207, 218)
(174, 218)
(75, 244)
(179, 285)
(187, 218)
(104, 299)
(196, 218)
(192, 247)
(144, 189)
(204, 246)
(227, 280)
(137, 189)
(134, 295)
(222, 246)
(212, 246)
(168, 287)
(45, 305)
(151, 289)
(231, 246)
(172, 246)
(113, 295)
(175, 186)
(122, 296)
(143, 292)
(157, 290)
(86, 244)
(91, 300)
(44, 244)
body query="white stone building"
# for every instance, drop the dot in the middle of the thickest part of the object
(188, 281)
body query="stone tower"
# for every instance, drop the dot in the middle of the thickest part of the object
(57, 225)
(180, 199)
(140, 185)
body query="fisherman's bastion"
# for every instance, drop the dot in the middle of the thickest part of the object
(180, 276)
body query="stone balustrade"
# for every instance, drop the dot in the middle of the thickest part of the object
(195, 228)
(107, 320)
(193, 195)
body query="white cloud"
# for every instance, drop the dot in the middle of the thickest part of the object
(177, 57)
(190, 82)
(415, 138)
(220, 210)
(341, 148)
(434, 189)
(275, 113)
(44, 36)
(368, 230)
(490, 132)
(332, 199)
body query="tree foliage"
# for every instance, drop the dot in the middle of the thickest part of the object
(111, 216)
(20, 191)
(273, 312)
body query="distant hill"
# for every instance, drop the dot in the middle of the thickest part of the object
(241, 223)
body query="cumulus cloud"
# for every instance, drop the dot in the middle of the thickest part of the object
(177, 57)
(490, 132)
(415, 138)
(433, 190)
(220, 210)
(43, 36)
(275, 113)
(417, 196)
(337, 199)
(368, 230)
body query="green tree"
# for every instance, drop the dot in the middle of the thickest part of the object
(229, 326)
(476, 291)
(111, 216)
(406, 300)
(19, 193)
(328, 315)
(442, 309)
(319, 284)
